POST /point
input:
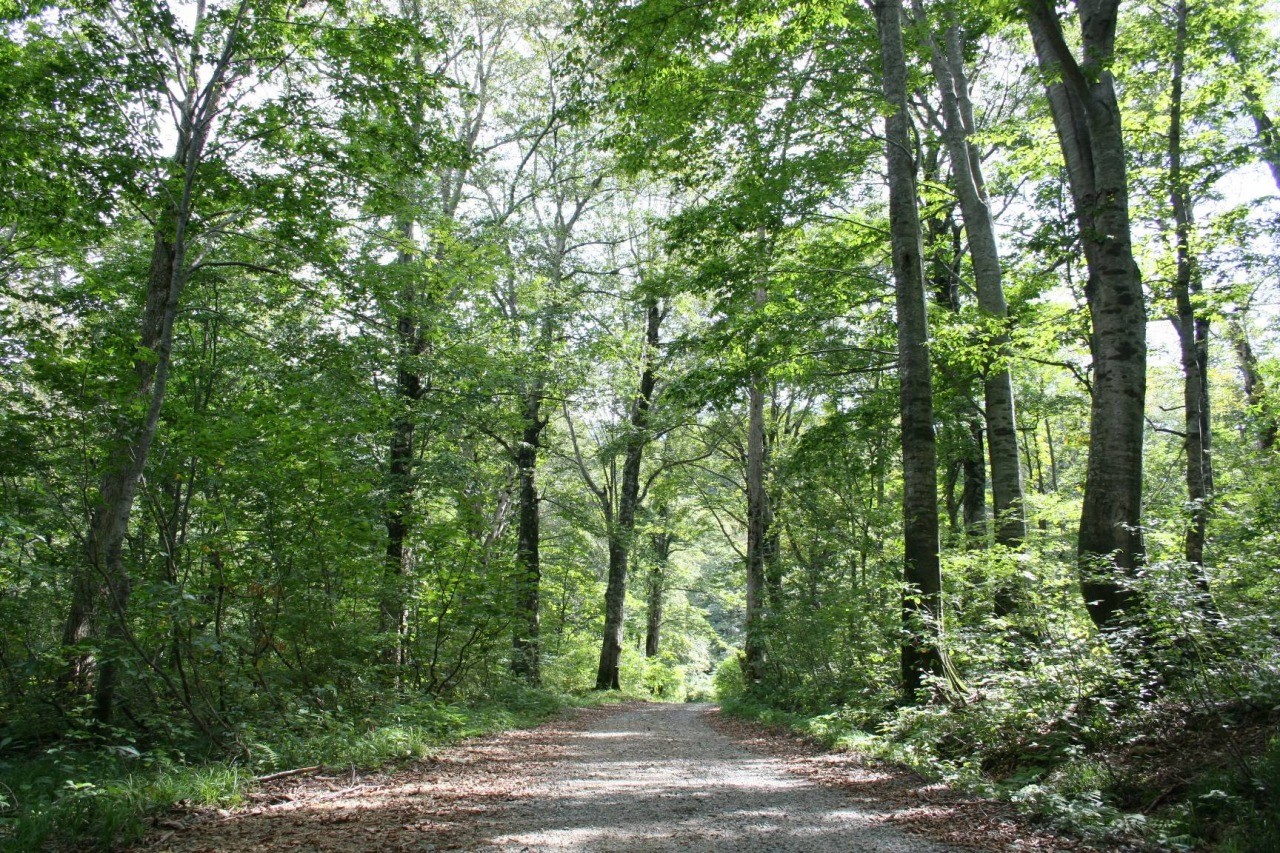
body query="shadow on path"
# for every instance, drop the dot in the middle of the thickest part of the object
(650, 777)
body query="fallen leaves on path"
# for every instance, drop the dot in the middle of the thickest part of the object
(458, 799)
(439, 803)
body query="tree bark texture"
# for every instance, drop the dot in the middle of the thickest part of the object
(922, 574)
(754, 651)
(526, 651)
(622, 525)
(1086, 114)
(410, 345)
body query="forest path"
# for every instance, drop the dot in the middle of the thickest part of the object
(639, 778)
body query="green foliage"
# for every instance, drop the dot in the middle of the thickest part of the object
(405, 224)
(660, 677)
(101, 796)
(728, 681)
(1250, 805)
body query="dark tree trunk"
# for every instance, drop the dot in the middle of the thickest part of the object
(1193, 330)
(758, 523)
(944, 240)
(1087, 117)
(104, 580)
(973, 498)
(953, 505)
(526, 651)
(401, 479)
(622, 526)
(922, 655)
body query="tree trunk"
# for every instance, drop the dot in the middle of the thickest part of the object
(1192, 327)
(1002, 426)
(103, 578)
(922, 655)
(1087, 118)
(401, 481)
(753, 646)
(526, 652)
(1268, 134)
(953, 506)
(623, 524)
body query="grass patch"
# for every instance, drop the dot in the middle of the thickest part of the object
(98, 796)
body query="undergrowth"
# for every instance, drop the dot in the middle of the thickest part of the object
(99, 793)
(1171, 740)
(1225, 808)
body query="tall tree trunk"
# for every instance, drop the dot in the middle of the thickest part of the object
(412, 344)
(1087, 117)
(922, 655)
(1002, 426)
(401, 485)
(103, 578)
(526, 651)
(622, 526)
(753, 646)
(1192, 327)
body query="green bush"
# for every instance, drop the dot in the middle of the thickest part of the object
(728, 681)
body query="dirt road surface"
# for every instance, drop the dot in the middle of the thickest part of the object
(644, 777)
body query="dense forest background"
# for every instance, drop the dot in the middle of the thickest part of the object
(903, 373)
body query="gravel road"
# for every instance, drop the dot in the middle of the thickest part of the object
(644, 777)
(659, 778)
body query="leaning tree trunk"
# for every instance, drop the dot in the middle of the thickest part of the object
(103, 579)
(1002, 426)
(1086, 115)
(623, 524)
(922, 655)
(1268, 134)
